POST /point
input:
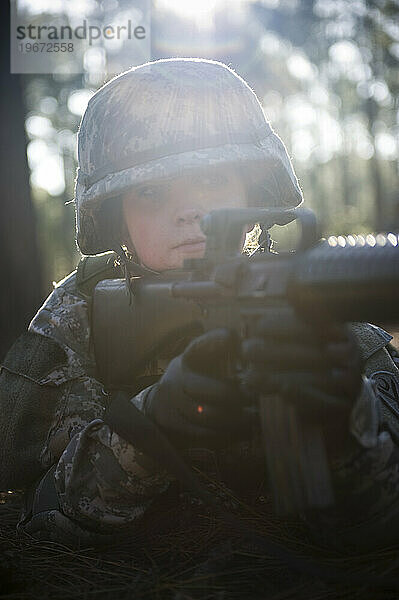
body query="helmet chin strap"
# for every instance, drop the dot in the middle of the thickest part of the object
(131, 265)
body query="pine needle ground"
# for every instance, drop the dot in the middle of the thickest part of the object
(185, 554)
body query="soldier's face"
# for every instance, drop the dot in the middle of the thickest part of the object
(163, 220)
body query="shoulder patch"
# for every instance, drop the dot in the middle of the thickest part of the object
(386, 387)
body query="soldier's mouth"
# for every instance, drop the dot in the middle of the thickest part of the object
(192, 245)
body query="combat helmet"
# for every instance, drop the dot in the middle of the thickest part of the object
(165, 117)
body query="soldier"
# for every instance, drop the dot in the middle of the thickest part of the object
(158, 147)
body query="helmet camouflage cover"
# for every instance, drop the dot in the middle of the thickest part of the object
(166, 117)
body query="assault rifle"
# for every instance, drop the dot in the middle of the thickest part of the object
(349, 281)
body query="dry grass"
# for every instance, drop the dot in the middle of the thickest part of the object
(185, 554)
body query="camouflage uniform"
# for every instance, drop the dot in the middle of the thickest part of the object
(101, 480)
(103, 484)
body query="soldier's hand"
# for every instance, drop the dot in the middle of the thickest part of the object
(196, 403)
(318, 369)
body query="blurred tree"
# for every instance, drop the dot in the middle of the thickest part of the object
(20, 292)
(51, 128)
(355, 47)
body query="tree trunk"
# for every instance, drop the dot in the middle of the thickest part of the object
(20, 290)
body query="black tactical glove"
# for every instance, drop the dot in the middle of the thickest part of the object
(195, 403)
(316, 368)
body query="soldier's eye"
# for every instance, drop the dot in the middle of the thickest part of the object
(149, 192)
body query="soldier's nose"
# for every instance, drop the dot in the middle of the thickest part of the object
(188, 216)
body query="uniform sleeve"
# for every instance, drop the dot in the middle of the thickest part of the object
(366, 474)
(102, 483)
